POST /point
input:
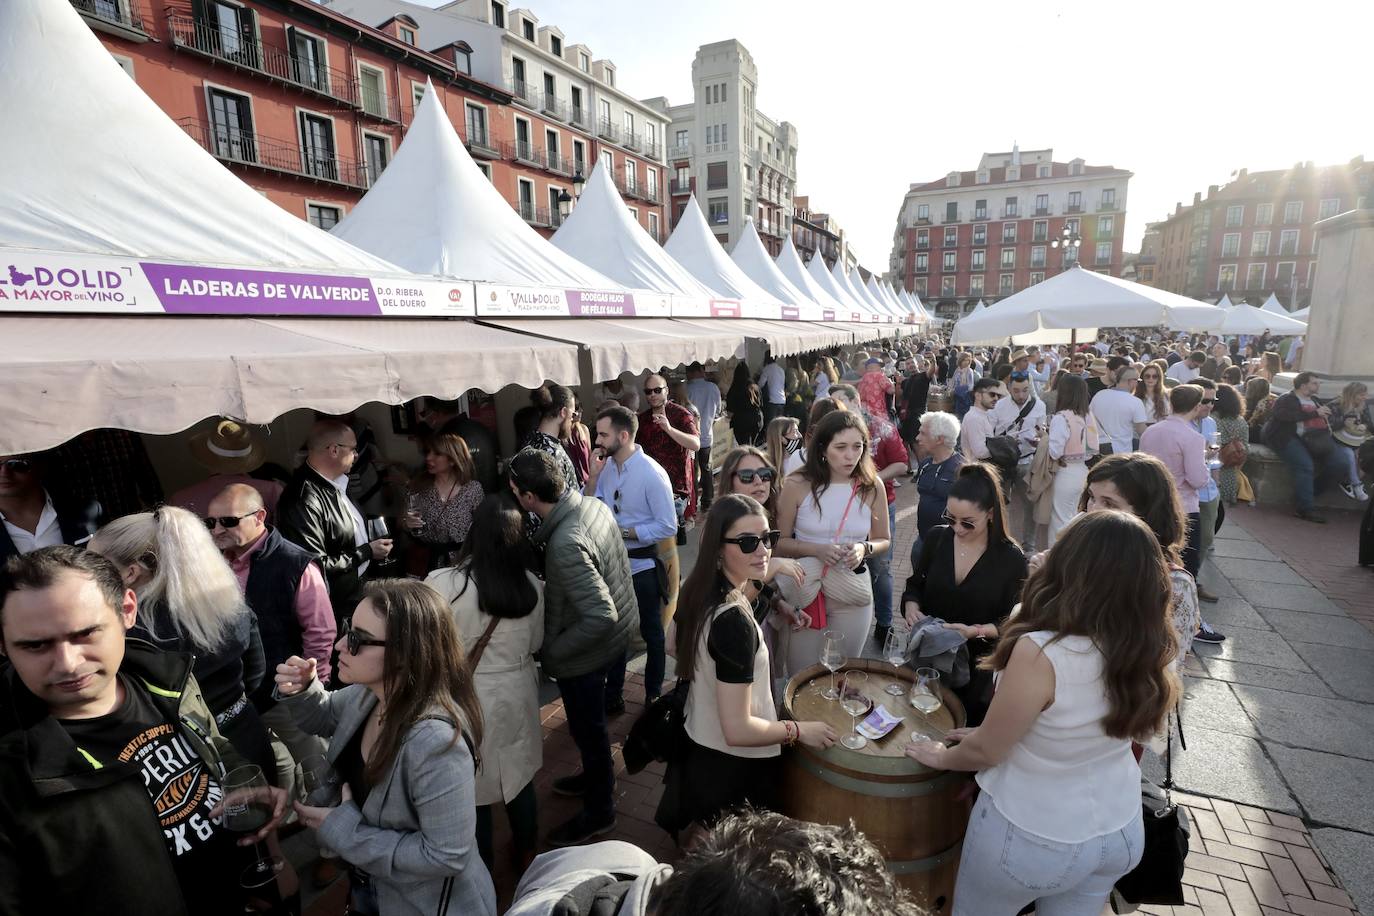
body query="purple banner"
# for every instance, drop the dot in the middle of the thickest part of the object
(598, 304)
(791, 313)
(827, 315)
(189, 290)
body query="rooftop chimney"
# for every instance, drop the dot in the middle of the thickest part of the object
(1243, 173)
(1211, 190)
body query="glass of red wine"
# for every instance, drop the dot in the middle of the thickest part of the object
(247, 807)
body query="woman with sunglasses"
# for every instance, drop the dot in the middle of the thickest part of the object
(833, 516)
(784, 441)
(969, 574)
(734, 737)
(402, 738)
(1150, 389)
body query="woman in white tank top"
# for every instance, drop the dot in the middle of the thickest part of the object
(1084, 666)
(833, 517)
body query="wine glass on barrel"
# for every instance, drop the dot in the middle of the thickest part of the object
(833, 658)
(894, 650)
(247, 807)
(855, 704)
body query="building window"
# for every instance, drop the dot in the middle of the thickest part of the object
(1037, 276)
(922, 262)
(1292, 211)
(980, 209)
(476, 122)
(556, 45)
(1254, 276)
(947, 287)
(1075, 201)
(651, 174)
(1072, 226)
(1264, 214)
(1288, 241)
(1106, 225)
(604, 109)
(125, 63)
(1230, 245)
(407, 35)
(309, 65)
(921, 286)
(1104, 253)
(1008, 232)
(372, 88)
(1235, 215)
(653, 225)
(717, 176)
(980, 234)
(1006, 284)
(923, 212)
(486, 169)
(975, 285)
(1226, 278)
(1040, 230)
(231, 126)
(1259, 245)
(952, 212)
(980, 259)
(951, 236)
(417, 93)
(1038, 256)
(631, 176)
(1042, 205)
(1283, 275)
(981, 177)
(525, 196)
(584, 62)
(1008, 258)
(922, 238)
(718, 211)
(323, 216)
(1109, 198)
(629, 128)
(498, 14)
(610, 77)
(376, 155)
(608, 160)
(651, 137)
(951, 261)
(1042, 171)
(317, 146)
(1011, 210)
(1328, 208)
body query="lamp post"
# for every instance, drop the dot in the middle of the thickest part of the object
(1069, 240)
(565, 203)
(578, 182)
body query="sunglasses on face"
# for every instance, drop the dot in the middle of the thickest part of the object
(225, 521)
(1209, 400)
(966, 525)
(356, 640)
(748, 543)
(659, 390)
(995, 395)
(17, 465)
(748, 475)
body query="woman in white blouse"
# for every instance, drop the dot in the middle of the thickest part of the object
(1084, 667)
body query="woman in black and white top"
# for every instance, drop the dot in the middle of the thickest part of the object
(734, 736)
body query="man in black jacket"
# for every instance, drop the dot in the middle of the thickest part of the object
(1294, 417)
(31, 517)
(112, 776)
(315, 513)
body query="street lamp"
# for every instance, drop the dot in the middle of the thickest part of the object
(578, 182)
(1070, 241)
(565, 203)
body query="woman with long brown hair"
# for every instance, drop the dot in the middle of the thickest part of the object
(443, 498)
(734, 736)
(784, 440)
(1150, 389)
(402, 737)
(1073, 440)
(833, 516)
(1084, 667)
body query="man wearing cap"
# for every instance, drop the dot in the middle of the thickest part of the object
(31, 517)
(1188, 369)
(229, 452)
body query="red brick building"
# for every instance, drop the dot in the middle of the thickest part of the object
(1256, 235)
(308, 106)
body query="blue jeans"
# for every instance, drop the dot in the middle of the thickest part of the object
(584, 704)
(1004, 868)
(650, 603)
(1308, 480)
(880, 573)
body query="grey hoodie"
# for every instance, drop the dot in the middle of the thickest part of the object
(613, 878)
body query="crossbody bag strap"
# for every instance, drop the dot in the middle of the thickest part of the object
(480, 646)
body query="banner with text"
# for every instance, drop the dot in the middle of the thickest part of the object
(546, 302)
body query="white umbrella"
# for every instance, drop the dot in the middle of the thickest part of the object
(1246, 319)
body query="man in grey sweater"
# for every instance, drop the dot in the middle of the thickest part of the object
(589, 614)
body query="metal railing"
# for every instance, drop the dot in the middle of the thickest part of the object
(378, 104)
(923, 243)
(524, 93)
(537, 216)
(947, 219)
(1102, 261)
(229, 144)
(118, 12)
(653, 150)
(1011, 213)
(1042, 211)
(626, 188)
(236, 49)
(579, 116)
(630, 140)
(1008, 240)
(651, 194)
(479, 143)
(558, 163)
(607, 131)
(525, 151)
(680, 151)
(1073, 208)
(553, 105)
(1106, 207)
(680, 187)
(979, 215)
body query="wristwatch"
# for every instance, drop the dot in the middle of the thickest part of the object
(868, 549)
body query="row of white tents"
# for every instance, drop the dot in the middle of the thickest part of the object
(106, 205)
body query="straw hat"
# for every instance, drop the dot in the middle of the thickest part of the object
(230, 448)
(1019, 354)
(1098, 367)
(1352, 434)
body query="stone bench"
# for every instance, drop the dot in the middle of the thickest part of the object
(1273, 484)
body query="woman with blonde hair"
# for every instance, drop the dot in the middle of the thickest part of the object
(823, 377)
(189, 601)
(444, 496)
(784, 441)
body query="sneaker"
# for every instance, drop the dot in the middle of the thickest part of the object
(574, 786)
(1204, 595)
(1312, 517)
(1205, 633)
(580, 829)
(1356, 491)
(1349, 490)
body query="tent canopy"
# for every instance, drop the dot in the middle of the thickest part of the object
(434, 212)
(826, 280)
(1246, 319)
(601, 233)
(790, 265)
(635, 344)
(93, 166)
(695, 248)
(752, 258)
(1272, 305)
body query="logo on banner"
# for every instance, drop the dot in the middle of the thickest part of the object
(455, 295)
(43, 283)
(725, 308)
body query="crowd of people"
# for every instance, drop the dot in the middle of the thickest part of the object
(263, 648)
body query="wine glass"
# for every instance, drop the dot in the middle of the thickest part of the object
(925, 693)
(894, 650)
(414, 520)
(247, 807)
(1213, 451)
(833, 658)
(855, 703)
(376, 528)
(317, 783)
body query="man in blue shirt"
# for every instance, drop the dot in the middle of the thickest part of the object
(637, 490)
(1209, 501)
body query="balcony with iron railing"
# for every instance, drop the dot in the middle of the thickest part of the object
(557, 163)
(1041, 211)
(526, 152)
(244, 148)
(121, 17)
(650, 193)
(1073, 208)
(580, 117)
(277, 64)
(680, 151)
(525, 94)
(630, 140)
(1011, 213)
(480, 144)
(535, 216)
(1102, 260)
(979, 215)
(607, 131)
(922, 243)
(1109, 206)
(377, 104)
(652, 150)
(947, 218)
(553, 106)
(626, 188)
(676, 187)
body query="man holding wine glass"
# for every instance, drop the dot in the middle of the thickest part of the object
(115, 768)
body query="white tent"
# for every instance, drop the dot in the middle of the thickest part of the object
(752, 258)
(790, 265)
(434, 212)
(1272, 305)
(861, 305)
(1225, 302)
(601, 233)
(91, 165)
(695, 248)
(917, 307)
(1247, 319)
(827, 281)
(856, 283)
(1084, 300)
(1301, 314)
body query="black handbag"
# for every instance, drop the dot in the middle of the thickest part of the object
(1004, 451)
(1158, 879)
(660, 732)
(1320, 443)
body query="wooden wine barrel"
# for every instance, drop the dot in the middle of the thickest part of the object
(915, 815)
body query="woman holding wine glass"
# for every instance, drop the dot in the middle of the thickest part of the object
(442, 499)
(734, 737)
(402, 736)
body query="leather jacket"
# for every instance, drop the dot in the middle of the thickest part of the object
(313, 514)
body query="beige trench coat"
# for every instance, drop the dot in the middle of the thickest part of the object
(507, 687)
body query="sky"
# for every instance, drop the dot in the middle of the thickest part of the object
(887, 94)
